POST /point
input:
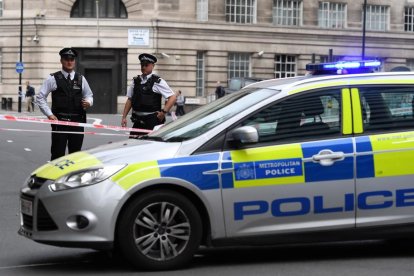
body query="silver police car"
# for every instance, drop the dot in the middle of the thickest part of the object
(319, 158)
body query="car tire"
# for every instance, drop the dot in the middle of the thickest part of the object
(159, 230)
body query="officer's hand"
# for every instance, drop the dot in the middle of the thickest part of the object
(52, 117)
(160, 116)
(85, 104)
(124, 122)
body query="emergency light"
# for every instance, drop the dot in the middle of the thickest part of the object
(343, 67)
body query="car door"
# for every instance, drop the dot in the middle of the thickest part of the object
(299, 177)
(384, 152)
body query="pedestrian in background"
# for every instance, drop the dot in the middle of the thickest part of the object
(144, 97)
(71, 96)
(30, 93)
(219, 90)
(180, 104)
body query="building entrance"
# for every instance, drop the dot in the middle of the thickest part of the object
(105, 71)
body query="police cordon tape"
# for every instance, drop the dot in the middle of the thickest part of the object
(66, 123)
(67, 132)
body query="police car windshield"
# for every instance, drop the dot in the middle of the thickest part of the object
(209, 116)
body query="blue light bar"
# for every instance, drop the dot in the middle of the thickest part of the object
(342, 65)
(373, 63)
(360, 66)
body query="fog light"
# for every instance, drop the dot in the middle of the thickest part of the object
(81, 221)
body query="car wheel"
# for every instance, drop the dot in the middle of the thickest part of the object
(159, 230)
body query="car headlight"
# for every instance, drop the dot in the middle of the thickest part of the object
(84, 178)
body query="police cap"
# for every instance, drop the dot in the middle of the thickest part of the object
(147, 58)
(68, 52)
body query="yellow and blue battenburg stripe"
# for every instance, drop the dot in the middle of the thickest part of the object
(364, 158)
(283, 165)
(265, 166)
(340, 170)
(227, 178)
(394, 154)
(192, 169)
(385, 155)
(136, 173)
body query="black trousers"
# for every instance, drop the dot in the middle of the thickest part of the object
(62, 140)
(144, 122)
(180, 110)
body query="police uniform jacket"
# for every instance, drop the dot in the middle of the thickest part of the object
(50, 86)
(159, 87)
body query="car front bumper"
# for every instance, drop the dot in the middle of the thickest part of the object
(81, 217)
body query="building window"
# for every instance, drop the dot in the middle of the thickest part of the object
(107, 9)
(239, 65)
(377, 18)
(241, 11)
(1, 7)
(285, 66)
(200, 80)
(287, 12)
(332, 15)
(202, 10)
(409, 19)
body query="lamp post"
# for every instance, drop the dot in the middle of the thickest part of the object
(364, 21)
(20, 60)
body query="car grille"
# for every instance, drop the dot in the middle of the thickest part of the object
(44, 221)
(27, 220)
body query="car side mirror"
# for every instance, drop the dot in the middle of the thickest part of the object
(245, 135)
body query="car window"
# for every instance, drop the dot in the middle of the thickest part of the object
(209, 116)
(299, 117)
(387, 107)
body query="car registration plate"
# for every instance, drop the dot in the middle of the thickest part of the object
(26, 207)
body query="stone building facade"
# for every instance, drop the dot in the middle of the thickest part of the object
(197, 42)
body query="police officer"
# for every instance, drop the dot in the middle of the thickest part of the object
(71, 96)
(144, 97)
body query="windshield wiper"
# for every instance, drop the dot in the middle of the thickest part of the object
(154, 138)
(177, 139)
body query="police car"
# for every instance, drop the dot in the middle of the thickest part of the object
(312, 158)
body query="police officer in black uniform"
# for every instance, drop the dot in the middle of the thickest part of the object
(144, 97)
(71, 96)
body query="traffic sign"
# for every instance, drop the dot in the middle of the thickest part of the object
(19, 67)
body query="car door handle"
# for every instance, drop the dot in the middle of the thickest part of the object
(328, 157)
(220, 171)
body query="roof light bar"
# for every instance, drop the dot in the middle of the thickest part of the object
(342, 65)
(333, 66)
(373, 63)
